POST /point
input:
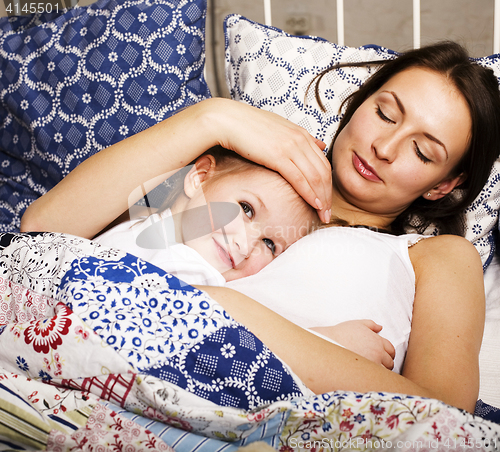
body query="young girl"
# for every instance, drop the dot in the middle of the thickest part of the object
(425, 124)
(224, 218)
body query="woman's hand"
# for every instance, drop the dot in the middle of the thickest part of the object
(105, 185)
(360, 336)
(272, 141)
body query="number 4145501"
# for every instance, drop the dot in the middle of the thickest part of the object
(31, 8)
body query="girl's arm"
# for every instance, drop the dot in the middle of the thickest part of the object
(98, 190)
(442, 358)
(361, 336)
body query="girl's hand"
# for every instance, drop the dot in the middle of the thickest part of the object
(273, 141)
(360, 336)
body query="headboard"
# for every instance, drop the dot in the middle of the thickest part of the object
(416, 18)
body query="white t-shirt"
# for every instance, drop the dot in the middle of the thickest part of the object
(160, 248)
(338, 274)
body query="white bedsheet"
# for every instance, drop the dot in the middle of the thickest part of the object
(489, 358)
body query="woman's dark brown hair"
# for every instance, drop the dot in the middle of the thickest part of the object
(479, 87)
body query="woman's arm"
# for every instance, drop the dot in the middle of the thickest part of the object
(98, 190)
(448, 319)
(320, 364)
(442, 359)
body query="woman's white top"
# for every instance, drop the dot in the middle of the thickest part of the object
(160, 248)
(338, 274)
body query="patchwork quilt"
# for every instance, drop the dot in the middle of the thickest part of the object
(101, 349)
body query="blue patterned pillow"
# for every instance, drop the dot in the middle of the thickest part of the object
(78, 81)
(270, 69)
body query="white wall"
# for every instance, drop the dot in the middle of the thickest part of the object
(382, 22)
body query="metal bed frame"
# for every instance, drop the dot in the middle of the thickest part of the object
(416, 22)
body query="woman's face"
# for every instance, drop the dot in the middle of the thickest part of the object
(403, 142)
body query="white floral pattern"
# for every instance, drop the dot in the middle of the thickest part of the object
(112, 50)
(214, 379)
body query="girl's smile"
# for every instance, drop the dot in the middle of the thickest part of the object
(225, 255)
(271, 216)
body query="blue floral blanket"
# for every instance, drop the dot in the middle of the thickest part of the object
(100, 348)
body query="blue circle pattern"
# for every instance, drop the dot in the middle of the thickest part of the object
(174, 332)
(114, 297)
(230, 368)
(76, 82)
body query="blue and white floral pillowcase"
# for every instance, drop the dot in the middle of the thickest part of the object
(270, 69)
(79, 80)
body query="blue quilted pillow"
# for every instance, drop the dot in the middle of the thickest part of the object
(77, 81)
(270, 69)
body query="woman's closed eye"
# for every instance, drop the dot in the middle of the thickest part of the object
(420, 155)
(247, 209)
(383, 117)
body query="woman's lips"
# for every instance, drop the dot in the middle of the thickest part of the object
(364, 169)
(224, 255)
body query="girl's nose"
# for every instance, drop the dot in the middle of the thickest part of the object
(242, 249)
(241, 243)
(248, 237)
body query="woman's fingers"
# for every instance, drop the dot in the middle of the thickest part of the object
(321, 145)
(273, 141)
(304, 164)
(311, 178)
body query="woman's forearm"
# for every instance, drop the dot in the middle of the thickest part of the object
(98, 190)
(321, 365)
(103, 186)
(445, 340)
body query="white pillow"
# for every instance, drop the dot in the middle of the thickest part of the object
(270, 69)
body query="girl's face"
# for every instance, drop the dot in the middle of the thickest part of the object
(403, 142)
(269, 217)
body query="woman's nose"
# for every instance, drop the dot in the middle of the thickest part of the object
(386, 148)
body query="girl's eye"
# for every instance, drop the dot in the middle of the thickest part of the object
(420, 155)
(270, 244)
(383, 117)
(247, 209)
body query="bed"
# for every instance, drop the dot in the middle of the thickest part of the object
(100, 350)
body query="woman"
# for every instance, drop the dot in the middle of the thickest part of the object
(417, 131)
